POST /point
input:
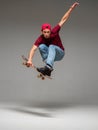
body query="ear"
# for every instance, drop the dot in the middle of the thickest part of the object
(41, 32)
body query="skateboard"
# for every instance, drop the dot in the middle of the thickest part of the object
(40, 75)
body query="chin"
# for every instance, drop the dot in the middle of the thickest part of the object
(47, 37)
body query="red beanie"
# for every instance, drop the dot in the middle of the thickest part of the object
(46, 26)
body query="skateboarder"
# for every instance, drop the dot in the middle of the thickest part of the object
(49, 44)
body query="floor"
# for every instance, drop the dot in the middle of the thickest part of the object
(25, 117)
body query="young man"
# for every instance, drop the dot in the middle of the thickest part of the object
(50, 44)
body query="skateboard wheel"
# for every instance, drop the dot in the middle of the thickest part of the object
(43, 78)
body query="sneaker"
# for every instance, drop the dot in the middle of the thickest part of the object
(45, 70)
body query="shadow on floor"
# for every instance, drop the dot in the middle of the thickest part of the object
(30, 111)
(51, 105)
(45, 109)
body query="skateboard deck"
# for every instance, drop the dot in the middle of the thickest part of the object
(40, 75)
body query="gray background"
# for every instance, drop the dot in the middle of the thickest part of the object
(75, 78)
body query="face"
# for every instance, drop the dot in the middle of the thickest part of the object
(46, 33)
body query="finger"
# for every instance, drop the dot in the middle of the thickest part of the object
(28, 64)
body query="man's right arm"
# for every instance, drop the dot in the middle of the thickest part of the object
(31, 54)
(67, 14)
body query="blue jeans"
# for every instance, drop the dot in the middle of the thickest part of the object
(51, 53)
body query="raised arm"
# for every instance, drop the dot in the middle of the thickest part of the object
(67, 14)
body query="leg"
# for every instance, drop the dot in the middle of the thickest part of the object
(43, 51)
(55, 54)
(51, 54)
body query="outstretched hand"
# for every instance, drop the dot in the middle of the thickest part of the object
(74, 5)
